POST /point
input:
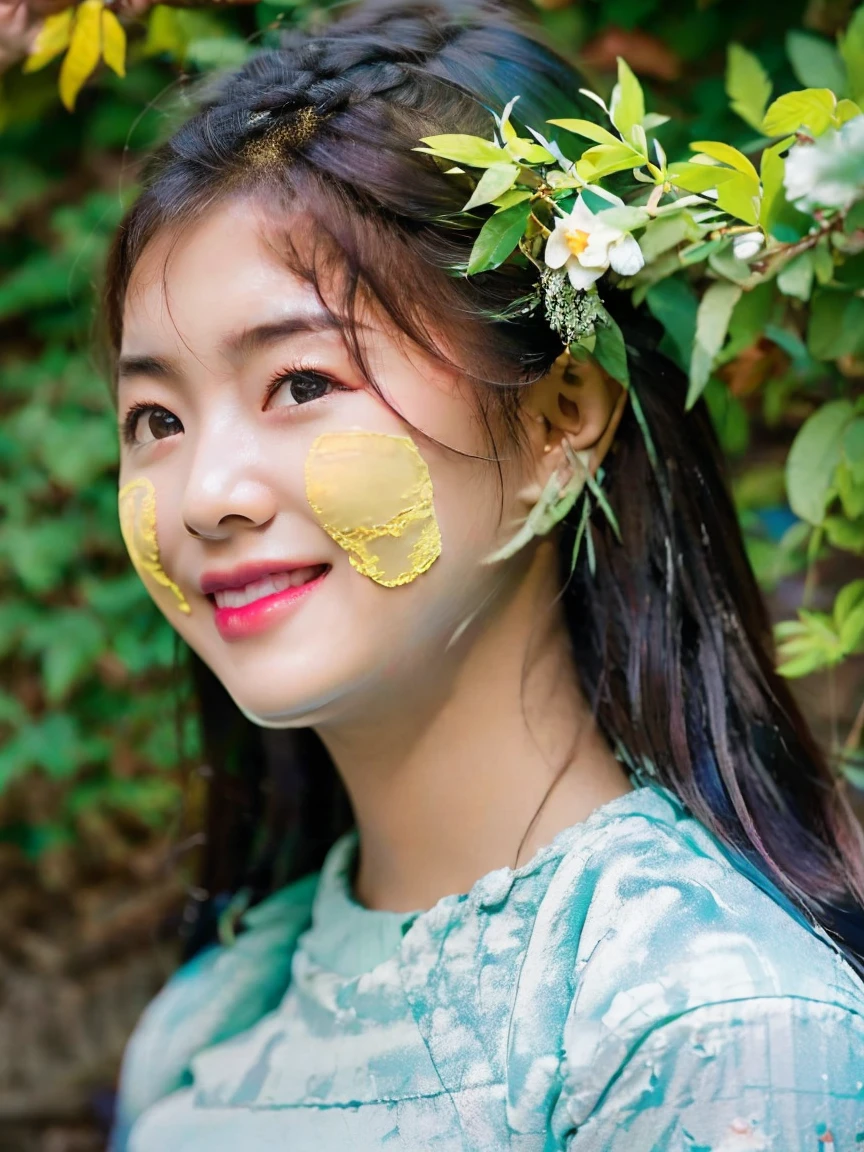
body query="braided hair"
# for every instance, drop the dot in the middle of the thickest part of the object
(670, 635)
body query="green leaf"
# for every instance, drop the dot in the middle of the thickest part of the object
(627, 218)
(498, 237)
(165, 33)
(495, 181)
(712, 324)
(852, 632)
(853, 446)
(606, 159)
(844, 534)
(471, 150)
(846, 110)
(514, 196)
(729, 417)
(750, 317)
(611, 351)
(849, 489)
(823, 262)
(813, 459)
(529, 151)
(587, 129)
(652, 120)
(815, 62)
(667, 232)
(218, 52)
(673, 304)
(740, 197)
(847, 600)
(810, 109)
(726, 154)
(836, 325)
(748, 85)
(627, 106)
(852, 50)
(796, 277)
(696, 253)
(814, 661)
(693, 177)
(771, 171)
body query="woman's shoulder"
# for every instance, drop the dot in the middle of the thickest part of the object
(670, 940)
(664, 905)
(219, 993)
(682, 958)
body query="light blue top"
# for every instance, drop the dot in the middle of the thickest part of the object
(626, 990)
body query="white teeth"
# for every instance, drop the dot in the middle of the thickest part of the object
(240, 597)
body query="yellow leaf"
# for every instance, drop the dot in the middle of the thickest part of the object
(693, 177)
(85, 49)
(52, 39)
(726, 154)
(739, 197)
(165, 33)
(113, 42)
(846, 110)
(811, 108)
(605, 159)
(772, 169)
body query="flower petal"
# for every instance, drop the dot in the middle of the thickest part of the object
(581, 216)
(582, 277)
(596, 254)
(747, 245)
(557, 252)
(626, 257)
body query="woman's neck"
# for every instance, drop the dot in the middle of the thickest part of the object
(446, 778)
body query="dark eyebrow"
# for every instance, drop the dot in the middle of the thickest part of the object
(242, 344)
(237, 346)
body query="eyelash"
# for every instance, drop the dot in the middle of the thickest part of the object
(285, 375)
(130, 421)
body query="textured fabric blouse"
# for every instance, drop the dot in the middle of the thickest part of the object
(627, 990)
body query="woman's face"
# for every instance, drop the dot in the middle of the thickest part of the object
(257, 462)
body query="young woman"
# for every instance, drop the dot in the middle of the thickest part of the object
(599, 890)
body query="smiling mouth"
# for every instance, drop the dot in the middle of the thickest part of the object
(266, 586)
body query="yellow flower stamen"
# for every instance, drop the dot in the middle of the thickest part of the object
(577, 240)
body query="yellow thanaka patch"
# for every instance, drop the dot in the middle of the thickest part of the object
(372, 494)
(137, 507)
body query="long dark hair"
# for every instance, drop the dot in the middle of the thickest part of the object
(670, 634)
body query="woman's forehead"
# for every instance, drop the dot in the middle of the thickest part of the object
(212, 275)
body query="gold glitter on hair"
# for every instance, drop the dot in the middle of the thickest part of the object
(287, 135)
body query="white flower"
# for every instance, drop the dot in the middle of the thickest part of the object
(586, 247)
(830, 172)
(747, 245)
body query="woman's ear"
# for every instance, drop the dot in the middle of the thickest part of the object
(578, 404)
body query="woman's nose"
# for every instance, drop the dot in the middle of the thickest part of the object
(225, 492)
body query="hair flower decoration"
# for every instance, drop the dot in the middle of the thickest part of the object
(712, 242)
(694, 235)
(586, 246)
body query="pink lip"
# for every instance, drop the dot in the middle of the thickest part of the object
(237, 623)
(245, 574)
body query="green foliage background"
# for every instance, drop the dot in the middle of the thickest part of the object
(88, 739)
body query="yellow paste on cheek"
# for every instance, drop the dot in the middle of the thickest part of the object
(137, 506)
(372, 493)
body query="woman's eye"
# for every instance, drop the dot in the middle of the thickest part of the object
(293, 388)
(147, 423)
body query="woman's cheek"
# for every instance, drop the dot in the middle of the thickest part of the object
(371, 492)
(137, 508)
